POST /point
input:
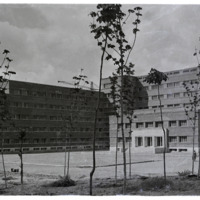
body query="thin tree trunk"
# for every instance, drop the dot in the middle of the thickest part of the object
(193, 129)
(68, 156)
(68, 163)
(95, 119)
(164, 142)
(122, 129)
(65, 160)
(193, 139)
(199, 150)
(21, 161)
(4, 169)
(22, 170)
(116, 150)
(130, 149)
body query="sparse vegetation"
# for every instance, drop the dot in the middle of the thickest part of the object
(184, 173)
(64, 181)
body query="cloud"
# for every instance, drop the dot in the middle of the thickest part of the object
(22, 16)
(53, 42)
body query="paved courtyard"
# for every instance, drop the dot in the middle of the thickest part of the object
(81, 162)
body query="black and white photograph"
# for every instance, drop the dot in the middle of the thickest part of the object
(99, 99)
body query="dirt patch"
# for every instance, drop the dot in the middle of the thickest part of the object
(39, 184)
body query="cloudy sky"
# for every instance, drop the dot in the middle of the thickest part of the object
(53, 42)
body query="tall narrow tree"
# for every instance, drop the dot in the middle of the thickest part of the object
(156, 77)
(5, 75)
(114, 43)
(114, 95)
(191, 109)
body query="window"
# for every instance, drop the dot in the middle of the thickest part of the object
(149, 124)
(6, 141)
(155, 97)
(148, 141)
(24, 92)
(183, 123)
(161, 96)
(158, 141)
(170, 105)
(177, 84)
(169, 96)
(177, 105)
(119, 126)
(172, 123)
(43, 140)
(183, 139)
(139, 98)
(185, 94)
(119, 139)
(107, 85)
(53, 118)
(139, 125)
(16, 92)
(138, 141)
(127, 125)
(185, 71)
(154, 87)
(172, 139)
(16, 141)
(36, 141)
(52, 140)
(25, 141)
(176, 95)
(128, 139)
(25, 149)
(170, 84)
(159, 124)
(177, 72)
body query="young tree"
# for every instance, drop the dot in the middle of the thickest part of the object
(105, 16)
(156, 77)
(115, 104)
(70, 118)
(67, 121)
(131, 94)
(4, 111)
(22, 134)
(192, 91)
(191, 109)
(113, 42)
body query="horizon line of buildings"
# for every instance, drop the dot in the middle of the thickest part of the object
(58, 118)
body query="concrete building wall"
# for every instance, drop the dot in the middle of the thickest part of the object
(54, 118)
(146, 116)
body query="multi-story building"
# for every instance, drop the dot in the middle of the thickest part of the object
(54, 118)
(147, 135)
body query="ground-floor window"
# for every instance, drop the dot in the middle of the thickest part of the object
(183, 139)
(172, 139)
(158, 141)
(148, 141)
(138, 141)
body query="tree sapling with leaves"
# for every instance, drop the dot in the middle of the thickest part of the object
(156, 77)
(111, 37)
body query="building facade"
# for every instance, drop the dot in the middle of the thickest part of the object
(54, 119)
(147, 134)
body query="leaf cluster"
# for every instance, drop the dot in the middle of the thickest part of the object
(155, 77)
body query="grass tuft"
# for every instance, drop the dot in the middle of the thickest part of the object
(63, 182)
(156, 183)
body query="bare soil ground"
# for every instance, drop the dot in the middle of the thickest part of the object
(36, 184)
